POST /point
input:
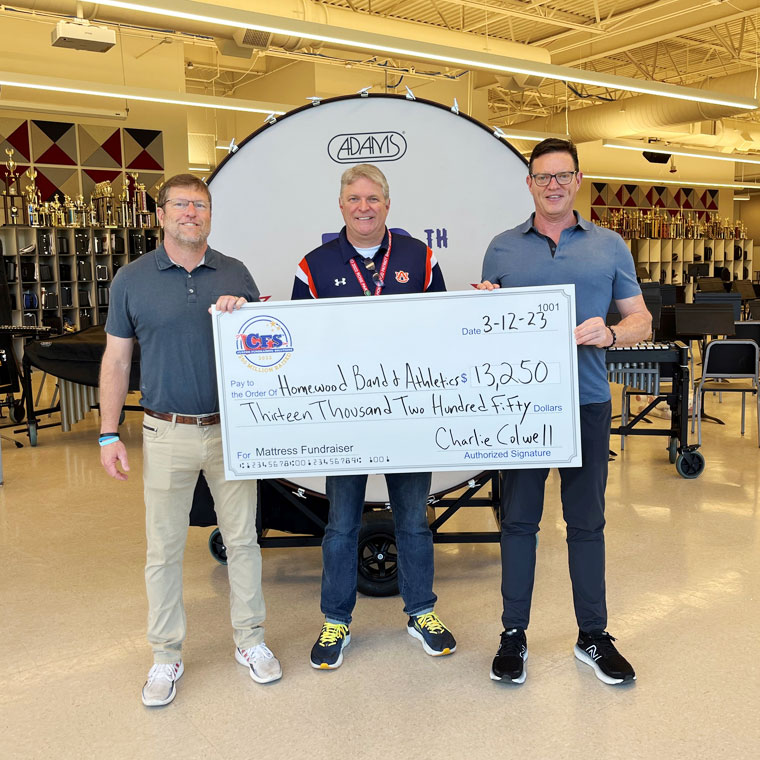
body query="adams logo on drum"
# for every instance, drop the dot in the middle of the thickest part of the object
(366, 146)
(263, 343)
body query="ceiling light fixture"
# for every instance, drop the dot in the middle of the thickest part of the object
(121, 92)
(382, 43)
(741, 197)
(98, 113)
(531, 136)
(677, 150)
(680, 182)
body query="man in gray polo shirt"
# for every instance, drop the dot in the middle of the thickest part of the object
(161, 300)
(556, 246)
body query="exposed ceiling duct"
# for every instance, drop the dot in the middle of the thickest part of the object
(642, 114)
(301, 10)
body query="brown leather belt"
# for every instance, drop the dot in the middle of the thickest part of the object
(186, 419)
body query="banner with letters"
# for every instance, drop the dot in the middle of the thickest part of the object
(426, 382)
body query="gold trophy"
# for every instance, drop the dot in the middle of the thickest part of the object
(32, 206)
(13, 210)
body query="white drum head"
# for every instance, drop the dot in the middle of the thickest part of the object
(453, 184)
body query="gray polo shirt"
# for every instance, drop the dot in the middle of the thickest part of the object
(594, 259)
(165, 308)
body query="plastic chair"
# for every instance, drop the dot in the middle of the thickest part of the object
(728, 360)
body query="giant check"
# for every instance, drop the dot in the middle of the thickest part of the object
(435, 381)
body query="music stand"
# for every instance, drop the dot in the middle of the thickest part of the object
(710, 285)
(652, 299)
(734, 299)
(698, 270)
(699, 321)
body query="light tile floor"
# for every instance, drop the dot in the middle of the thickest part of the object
(683, 559)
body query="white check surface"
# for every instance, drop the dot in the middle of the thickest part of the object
(428, 382)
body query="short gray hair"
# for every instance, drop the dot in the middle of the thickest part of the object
(365, 171)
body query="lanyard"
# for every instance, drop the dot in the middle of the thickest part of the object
(383, 269)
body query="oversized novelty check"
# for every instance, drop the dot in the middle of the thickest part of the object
(435, 381)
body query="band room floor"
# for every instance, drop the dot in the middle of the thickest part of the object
(683, 579)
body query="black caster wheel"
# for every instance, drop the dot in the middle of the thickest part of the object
(378, 558)
(17, 412)
(672, 450)
(32, 433)
(216, 546)
(690, 464)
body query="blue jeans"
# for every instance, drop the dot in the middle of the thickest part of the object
(408, 494)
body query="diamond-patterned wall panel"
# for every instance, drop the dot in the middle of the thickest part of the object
(143, 149)
(91, 177)
(54, 142)
(14, 135)
(61, 181)
(100, 146)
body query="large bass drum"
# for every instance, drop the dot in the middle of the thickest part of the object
(453, 183)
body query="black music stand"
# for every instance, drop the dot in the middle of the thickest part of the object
(748, 330)
(699, 321)
(652, 299)
(710, 285)
(734, 299)
(9, 373)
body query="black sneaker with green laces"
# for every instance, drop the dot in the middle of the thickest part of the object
(509, 663)
(596, 649)
(436, 638)
(327, 652)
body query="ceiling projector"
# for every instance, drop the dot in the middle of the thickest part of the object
(83, 36)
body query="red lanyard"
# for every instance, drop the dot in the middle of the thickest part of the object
(383, 270)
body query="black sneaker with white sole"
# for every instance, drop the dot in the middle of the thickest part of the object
(596, 649)
(509, 663)
(436, 638)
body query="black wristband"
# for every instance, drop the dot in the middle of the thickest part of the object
(107, 435)
(614, 337)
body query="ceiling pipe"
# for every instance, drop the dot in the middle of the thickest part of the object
(301, 10)
(641, 114)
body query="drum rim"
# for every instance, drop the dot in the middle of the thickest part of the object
(373, 95)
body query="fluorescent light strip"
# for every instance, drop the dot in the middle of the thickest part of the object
(676, 150)
(22, 105)
(681, 182)
(532, 136)
(741, 197)
(50, 84)
(239, 19)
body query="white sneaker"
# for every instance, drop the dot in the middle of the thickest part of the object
(262, 664)
(161, 686)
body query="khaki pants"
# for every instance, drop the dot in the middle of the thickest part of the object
(173, 456)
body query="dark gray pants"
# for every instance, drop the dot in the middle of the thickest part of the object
(582, 494)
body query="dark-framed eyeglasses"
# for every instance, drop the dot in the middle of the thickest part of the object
(370, 266)
(563, 178)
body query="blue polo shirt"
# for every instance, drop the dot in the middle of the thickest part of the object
(594, 259)
(326, 272)
(165, 308)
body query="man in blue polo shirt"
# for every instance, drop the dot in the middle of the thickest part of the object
(367, 260)
(161, 300)
(556, 246)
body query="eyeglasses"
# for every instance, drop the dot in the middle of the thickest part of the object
(370, 265)
(180, 204)
(563, 178)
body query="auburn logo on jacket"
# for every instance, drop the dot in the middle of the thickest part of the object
(402, 276)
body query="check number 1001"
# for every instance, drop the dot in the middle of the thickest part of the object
(513, 321)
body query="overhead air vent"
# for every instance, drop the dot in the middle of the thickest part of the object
(252, 38)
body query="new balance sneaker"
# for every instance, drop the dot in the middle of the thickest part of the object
(596, 649)
(161, 686)
(509, 663)
(262, 665)
(327, 652)
(436, 638)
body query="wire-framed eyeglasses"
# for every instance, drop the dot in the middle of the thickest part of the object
(563, 178)
(180, 204)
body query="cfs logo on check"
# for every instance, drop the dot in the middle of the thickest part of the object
(263, 343)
